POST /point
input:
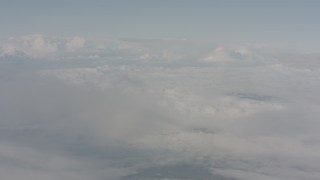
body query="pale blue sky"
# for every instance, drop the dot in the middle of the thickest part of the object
(271, 21)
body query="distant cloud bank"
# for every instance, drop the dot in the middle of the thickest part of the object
(77, 108)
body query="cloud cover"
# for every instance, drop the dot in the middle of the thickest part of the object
(129, 49)
(118, 116)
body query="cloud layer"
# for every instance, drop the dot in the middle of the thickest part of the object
(128, 49)
(156, 109)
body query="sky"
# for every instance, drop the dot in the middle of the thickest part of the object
(279, 22)
(159, 90)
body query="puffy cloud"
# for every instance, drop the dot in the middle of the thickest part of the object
(75, 43)
(134, 120)
(137, 50)
(35, 46)
(229, 54)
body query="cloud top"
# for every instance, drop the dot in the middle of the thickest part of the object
(139, 50)
(31, 45)
(75, 43)
(77, 108)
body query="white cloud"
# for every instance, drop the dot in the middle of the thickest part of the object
(36, 46)
(228, 54)
(114, 119)
(75, 43)
(137, 50)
